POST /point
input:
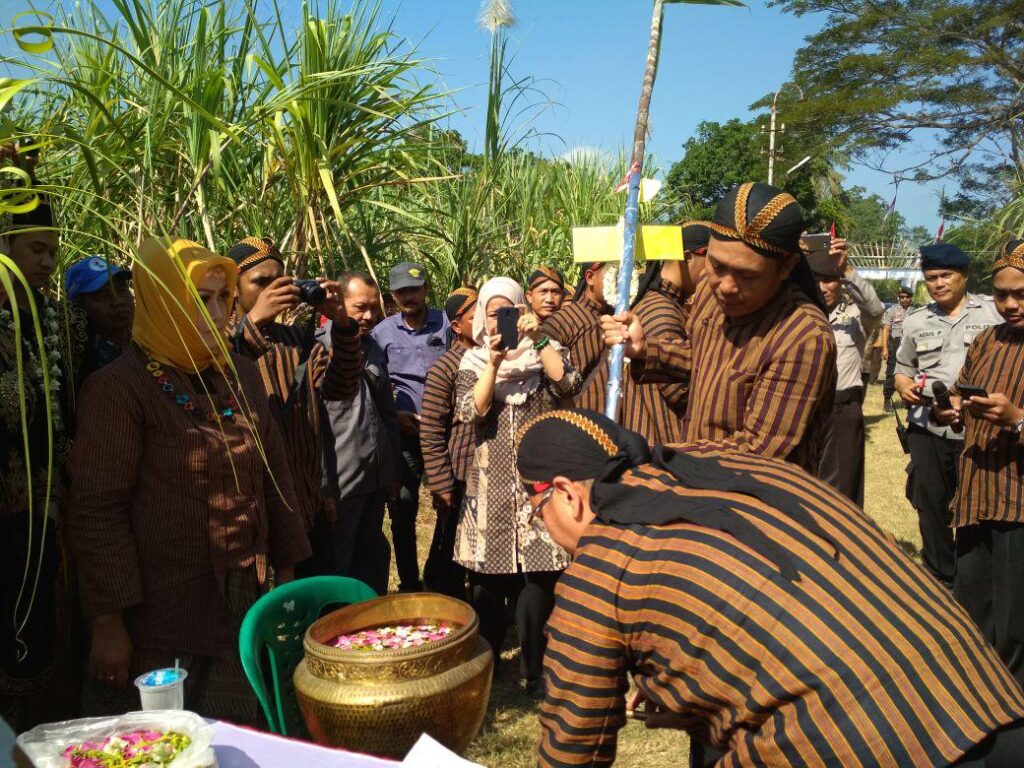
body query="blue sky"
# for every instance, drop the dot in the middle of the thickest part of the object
(588, 56)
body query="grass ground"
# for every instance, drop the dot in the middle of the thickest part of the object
(509, 734)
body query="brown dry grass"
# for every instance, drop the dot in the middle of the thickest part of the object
(510, 731)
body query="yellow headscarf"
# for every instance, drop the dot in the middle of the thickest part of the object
(165, 276)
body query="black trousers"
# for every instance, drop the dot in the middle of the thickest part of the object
(360, 547)
(989, 584)
(534, 597)
(842, 459)
(403, 517)
(930, 488)
(441, 573)
(889, 387)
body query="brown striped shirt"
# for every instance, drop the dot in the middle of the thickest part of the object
(164, 504)
(278, 350)
(991, 484)
(864, 660)
(762, 383)
(447, 445)
(577, 327)
(656, 410)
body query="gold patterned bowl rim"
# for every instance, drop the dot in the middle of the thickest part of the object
(395, 605)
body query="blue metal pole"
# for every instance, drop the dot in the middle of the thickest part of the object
(618, 352)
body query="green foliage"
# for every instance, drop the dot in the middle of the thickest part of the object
(883, 74)
(723, 154)
(887, 289)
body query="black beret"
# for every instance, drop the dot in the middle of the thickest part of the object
(943, 256)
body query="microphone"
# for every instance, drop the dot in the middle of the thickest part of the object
(940, 394)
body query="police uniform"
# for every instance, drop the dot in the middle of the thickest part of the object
(894, 318)
(853, 321)
(935, 344)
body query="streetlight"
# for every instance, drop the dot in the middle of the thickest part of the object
(772, 154)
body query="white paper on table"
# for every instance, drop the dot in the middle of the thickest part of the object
(428, 753)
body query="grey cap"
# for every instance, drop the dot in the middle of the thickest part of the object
(407, 274)
(907, 288)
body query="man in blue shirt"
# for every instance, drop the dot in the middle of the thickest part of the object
(412, 340)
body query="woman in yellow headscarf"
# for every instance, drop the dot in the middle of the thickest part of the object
(181, 497)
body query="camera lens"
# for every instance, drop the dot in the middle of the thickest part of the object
(311, 292)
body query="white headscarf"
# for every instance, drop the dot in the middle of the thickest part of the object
(520, 372)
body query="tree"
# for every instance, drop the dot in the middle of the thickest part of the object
(724, 154)
(881, 74)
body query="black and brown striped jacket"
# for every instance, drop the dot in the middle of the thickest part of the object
(656, 410)
(991, 484)
(577, 327)
(447, 445)
(762, 383)
(278, 350)
(863, 660)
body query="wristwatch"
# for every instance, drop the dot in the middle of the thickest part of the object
(1018, 426)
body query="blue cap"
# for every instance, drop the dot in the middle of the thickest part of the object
(943, 256)
(90, 275)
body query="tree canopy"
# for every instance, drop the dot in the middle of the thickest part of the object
(881, 74)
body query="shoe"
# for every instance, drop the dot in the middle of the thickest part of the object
(535, 689)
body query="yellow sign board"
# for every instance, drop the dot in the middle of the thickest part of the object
(661, 243)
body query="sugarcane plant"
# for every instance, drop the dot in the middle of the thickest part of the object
(625, 274)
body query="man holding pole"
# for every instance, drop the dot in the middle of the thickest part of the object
(761, 356)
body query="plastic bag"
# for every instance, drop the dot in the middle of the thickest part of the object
(44, 745)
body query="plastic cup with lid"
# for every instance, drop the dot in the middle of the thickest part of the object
(162, 688)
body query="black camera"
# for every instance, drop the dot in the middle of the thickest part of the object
(311, 292)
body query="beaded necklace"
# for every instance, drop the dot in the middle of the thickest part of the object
(184, 400)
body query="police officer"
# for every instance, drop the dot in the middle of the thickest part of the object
(854, 311)
(892, 334)
(933, 349)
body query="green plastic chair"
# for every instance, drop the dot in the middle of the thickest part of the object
(273, 630)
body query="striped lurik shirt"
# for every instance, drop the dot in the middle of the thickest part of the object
(447, 447)
(577, 327)
(656, 410)
(277, 350)
(762, 383)
(992, 462)
(863, 661)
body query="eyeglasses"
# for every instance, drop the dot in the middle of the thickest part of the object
(540, 505)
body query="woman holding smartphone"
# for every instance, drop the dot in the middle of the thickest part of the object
(508, 555)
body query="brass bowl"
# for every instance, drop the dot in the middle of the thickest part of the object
(380, 702)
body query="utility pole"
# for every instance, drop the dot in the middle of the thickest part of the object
(772, 152)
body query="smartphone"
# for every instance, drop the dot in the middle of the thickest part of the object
(508, 326)
(817, 244)
(970, 390)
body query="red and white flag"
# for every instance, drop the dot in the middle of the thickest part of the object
(942, 228)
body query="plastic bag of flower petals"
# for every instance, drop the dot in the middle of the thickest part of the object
(153, 739)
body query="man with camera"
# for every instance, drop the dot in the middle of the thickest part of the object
(292, 365)
(932, 352)
(412, 341)
(854, 310)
